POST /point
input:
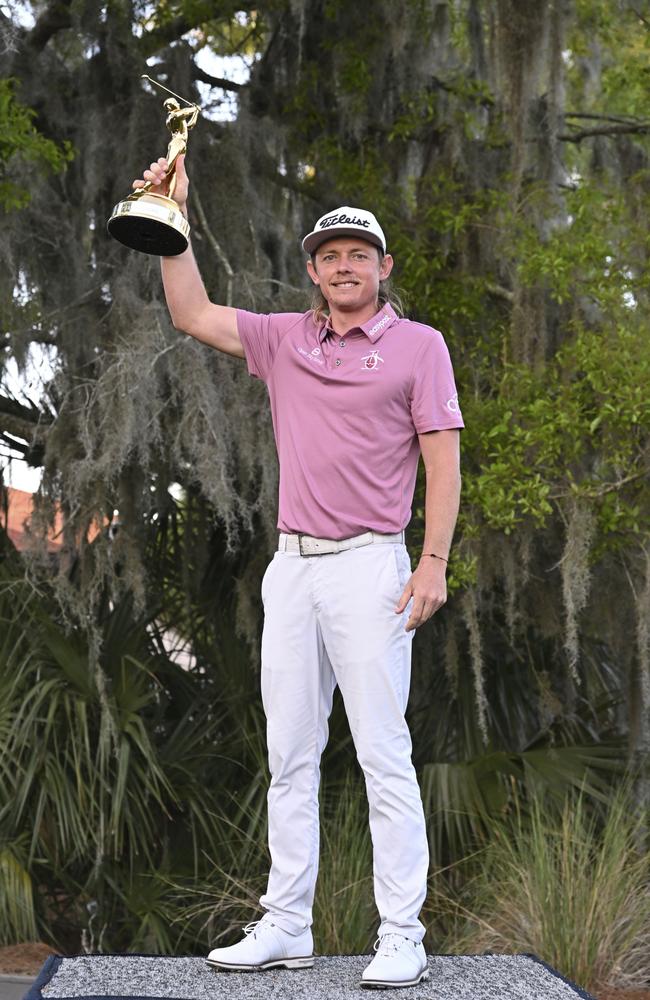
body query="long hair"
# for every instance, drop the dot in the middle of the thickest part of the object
(386, 295)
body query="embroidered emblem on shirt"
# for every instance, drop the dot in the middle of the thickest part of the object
(371, 361)
(452, 404)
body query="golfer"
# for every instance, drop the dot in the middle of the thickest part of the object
(357, 394)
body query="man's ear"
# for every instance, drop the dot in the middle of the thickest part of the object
(312, 272)
(386, 266)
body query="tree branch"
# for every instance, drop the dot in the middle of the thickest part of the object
(216, 246)
(625, 119)
(24, 429)
(29, 414)
(11, 442)
(14, 445)
(644, 20)
(587, 133)
(214, 81)
(459, 89)
(500, 292)
(601, 491)
(151, 41)
(54, 18)
(32, 434)
(158, 38)
(30, 450)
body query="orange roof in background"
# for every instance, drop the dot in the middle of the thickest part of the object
(20, 510)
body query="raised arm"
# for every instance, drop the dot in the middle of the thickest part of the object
(187, 300)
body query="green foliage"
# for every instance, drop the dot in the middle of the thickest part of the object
(420, 111)
(17, 911)
(21, 143)
(576, 428)
(142, 814)
(100, 770)
(580, 256)
(464, 800)
(623, 32)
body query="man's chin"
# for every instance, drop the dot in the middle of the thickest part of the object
(347, 303)
(344, 306)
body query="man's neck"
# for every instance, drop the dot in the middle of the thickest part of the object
(342, 320)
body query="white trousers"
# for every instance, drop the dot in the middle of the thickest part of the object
(328, 620)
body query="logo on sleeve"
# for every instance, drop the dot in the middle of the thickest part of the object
(452, 404)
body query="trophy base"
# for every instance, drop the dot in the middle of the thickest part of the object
(151, 224)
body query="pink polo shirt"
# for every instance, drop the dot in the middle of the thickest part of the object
(346, 414)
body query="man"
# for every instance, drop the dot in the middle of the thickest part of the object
(355, 395)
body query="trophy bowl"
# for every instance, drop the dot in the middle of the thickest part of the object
(152, 224)
(146, 220)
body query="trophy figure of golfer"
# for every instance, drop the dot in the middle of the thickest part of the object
(148, 221)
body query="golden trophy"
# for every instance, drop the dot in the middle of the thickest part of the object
(152, 222)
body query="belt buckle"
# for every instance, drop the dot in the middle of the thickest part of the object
(314, 551)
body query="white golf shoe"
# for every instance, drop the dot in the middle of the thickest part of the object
(266, 946)
(398, 962)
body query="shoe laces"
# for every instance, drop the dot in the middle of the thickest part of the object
(256, 926)
(389, 944)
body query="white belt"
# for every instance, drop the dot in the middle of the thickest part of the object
(307, 545)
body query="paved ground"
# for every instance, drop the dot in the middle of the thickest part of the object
(14, 987)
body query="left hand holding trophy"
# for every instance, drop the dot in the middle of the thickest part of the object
(147, 220)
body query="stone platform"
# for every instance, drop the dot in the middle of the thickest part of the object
(155, 977)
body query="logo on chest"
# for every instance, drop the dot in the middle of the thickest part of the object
(311, 355)
(372, 361)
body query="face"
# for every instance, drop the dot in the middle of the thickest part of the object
(348, 272)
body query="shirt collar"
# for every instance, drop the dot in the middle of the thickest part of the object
(373, 328)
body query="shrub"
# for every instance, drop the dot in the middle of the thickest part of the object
(573, 889)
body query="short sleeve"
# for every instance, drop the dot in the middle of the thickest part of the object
(261, 335)
(434, 399)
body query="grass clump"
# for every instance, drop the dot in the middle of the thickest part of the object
(211, 911)
(345, 917)
(573, 889)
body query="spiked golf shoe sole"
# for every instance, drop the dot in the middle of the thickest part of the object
(381, 984)
(289, 963)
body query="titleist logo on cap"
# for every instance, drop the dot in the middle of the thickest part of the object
(342, 220)
(345, 221)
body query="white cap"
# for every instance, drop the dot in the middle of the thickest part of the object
(345, 221)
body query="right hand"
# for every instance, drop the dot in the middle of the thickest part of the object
(156, 175)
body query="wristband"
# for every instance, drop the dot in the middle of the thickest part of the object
(434, 556)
